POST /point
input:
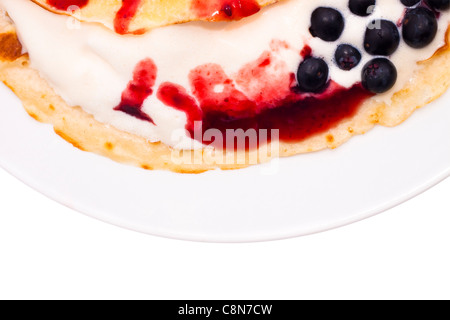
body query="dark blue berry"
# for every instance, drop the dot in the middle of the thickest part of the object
(361, 8)
(439, 4)
(382, 38)
(419, 27)
(410, 3)
(312, 75)
(327, 24)
(379, 75)
(347, 57)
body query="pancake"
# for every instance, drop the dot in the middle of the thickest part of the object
(138, 16)
(430, 80)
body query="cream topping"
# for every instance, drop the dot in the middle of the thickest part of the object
(90, 66)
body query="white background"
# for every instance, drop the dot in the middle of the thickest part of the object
(48, 251)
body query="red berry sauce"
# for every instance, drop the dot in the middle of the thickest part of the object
(65, 4)
(214, 10)
(306, 52)
(224, 10)
(125, 15)
(297, 116)
(139, 89)
(122, 19)
(264, 100)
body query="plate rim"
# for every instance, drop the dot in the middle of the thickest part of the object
(96, 213)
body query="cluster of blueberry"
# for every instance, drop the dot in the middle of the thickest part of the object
(382, 38)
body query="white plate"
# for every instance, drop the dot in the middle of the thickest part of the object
(290, 197)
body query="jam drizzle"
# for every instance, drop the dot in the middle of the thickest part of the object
(176, 96)
(64, 5)
(214, 10)
(224, 10)
(125, 15)
(306, 52)
(263, 94)
(262, 104)
(139, 89)
(122, 19)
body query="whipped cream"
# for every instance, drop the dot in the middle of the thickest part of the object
(90, 66)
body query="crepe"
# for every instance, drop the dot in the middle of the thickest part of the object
(80, 128)
(138, 16)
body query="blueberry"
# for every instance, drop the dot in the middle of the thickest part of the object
(312, 75)
(439, 4)
(381, 38)
(410, 3)
(379, 75)
(419, 27)
(327, 24)
(361, 8)
(347, 57)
